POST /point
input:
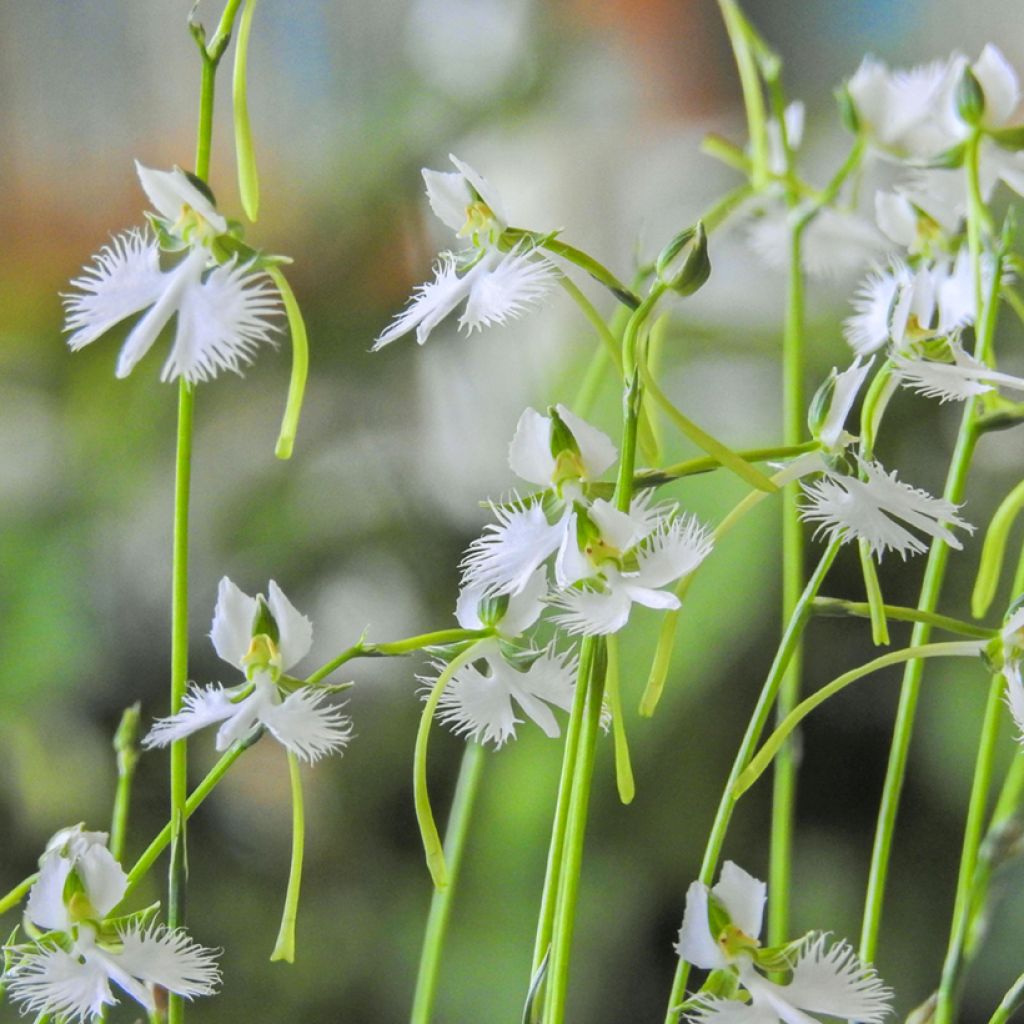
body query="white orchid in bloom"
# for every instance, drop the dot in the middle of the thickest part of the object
(560, 453)
(610, 560)
(874, 508)
(1012, 643)
(720, 933)
(479, 703)
(67, 972)
(264, 637)
(831, 405)
(496, 286)
(224, 309)
(956, 381)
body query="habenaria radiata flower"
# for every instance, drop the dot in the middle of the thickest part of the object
(478, 701)
(264, 637)
(720, 932)
(849, 508)
(832, 403)
(223, 308)
(608, 560)
(496, 286)
(559, 452)
(68, 972)
(1012, 642)
(900, 306)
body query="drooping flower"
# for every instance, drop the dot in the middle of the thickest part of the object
(873, 509)
(68, 972)
(496, 286)
(224, 310)
(956, 381)
(720, 932)
(610, 560)
(264, 637)
(479, 702)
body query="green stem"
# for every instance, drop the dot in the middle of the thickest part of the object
(552, 873)
(623, 769)
(127, 755)
(457, 830)
(753, 771)
(300, 365)
(876, 602)
(1009, 1003)
(17, 894)
(708, 463)
(557, 981)
(284, 948)
(758, 720)
(829, 606)
(609, 343)
(196, 797)
(793, 405)
(969, 895)
(424, 815)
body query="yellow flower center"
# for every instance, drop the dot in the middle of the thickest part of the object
(263, 656)
(733, 941)
(480, 220)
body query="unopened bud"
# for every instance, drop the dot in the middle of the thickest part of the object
(970, 98)
(684, 264)
(821, 405)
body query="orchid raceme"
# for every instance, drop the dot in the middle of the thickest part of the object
(67, 972)
(849, 508)
(263, 637)
(720, 932)
(224, 309)
(496, 286)
(610, 560)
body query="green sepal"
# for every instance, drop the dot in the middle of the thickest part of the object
(848, 114)
(1008, 138)
(969, 98)
(562, 438)
(264, 622)
(165, 238)
(722, 983)
(520, 658)
(821, 404)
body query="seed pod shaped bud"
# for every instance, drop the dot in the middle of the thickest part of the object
(684, 264)
(970, 98)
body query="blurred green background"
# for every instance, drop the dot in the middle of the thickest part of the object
(585, 116)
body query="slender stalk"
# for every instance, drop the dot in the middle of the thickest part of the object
(284, 948)
(466, 788)
(967, 885)
(552, 873)
(1009, 1003)
(837, 606)
(708, 463)
(196, 797)
(784, 785)
(758, 720)
(17, 894)
(576, 823)
(777, 740)
(938, 556)
(623, 769)
(300, 360)
(432, 848)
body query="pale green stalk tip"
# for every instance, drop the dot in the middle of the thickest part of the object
(300, 365)
(248, 178)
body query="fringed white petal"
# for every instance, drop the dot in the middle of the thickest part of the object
(592, 612)
(233, 619)
(832, 980)
(60, 984)
(431, 302)
(673, 550)
(168, 958)
(477, 706)
(549, 680)
(713, 1010)
(1014, 696)
(508, 291)
(221, 323)
(201, 707)
(504, 559)
(743, 897)
(952, 382)
(696, 944)
(124, 279)
(307, 725)
(869, 327)
(295, 631)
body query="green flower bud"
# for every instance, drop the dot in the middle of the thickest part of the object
(848, 115)
(970, 98)
(690, 248)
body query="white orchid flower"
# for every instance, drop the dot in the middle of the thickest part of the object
(223, 310)
(264, 638)
(848, 508)
(74, 984)
(619, 559)
(559, 453)
(480, 702)
(496, 286)
(69, 977)
(1012, 637)
(823, 979)
(901, 306)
